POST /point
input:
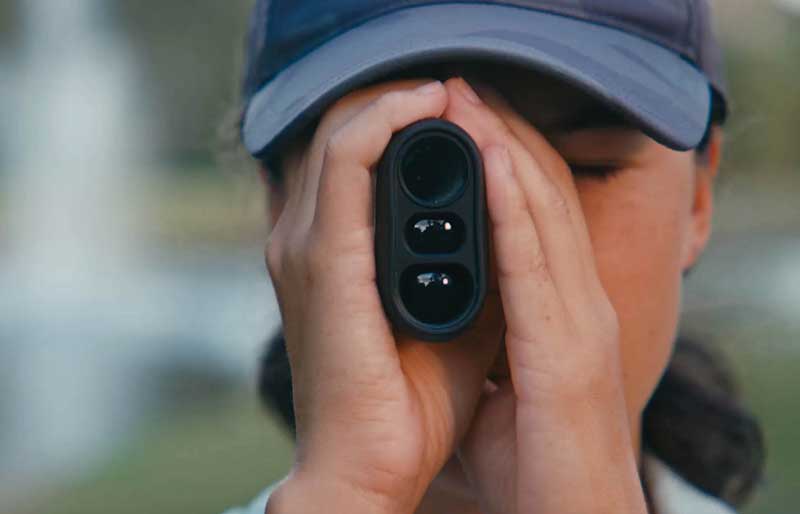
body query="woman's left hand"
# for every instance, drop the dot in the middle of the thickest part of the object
(554, 437)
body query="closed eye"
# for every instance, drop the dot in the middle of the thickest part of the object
(594, 171)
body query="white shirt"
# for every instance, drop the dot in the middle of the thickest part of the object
(671, 494)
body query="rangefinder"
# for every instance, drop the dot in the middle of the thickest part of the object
(430, 230)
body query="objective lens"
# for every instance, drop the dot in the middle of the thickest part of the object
(434, 171)
(436, 294)
(435, 233)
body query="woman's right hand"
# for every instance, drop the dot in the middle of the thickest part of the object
(378, 414)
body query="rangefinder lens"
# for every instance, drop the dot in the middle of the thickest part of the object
(436, 294)
(435, 233)
(434, 170)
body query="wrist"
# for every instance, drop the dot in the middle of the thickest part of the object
(303, 493)
(589, 439)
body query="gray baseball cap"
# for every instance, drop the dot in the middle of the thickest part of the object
(656, 62)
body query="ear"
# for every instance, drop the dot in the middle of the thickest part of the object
(703, 199)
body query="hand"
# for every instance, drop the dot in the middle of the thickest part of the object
(377, 415)
(555, 437)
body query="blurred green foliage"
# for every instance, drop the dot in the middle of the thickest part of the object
(192, 461)
(9, 24)
(769, 382)
(762, 46)
(190, 55)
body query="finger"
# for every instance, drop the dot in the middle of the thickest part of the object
(531, 302)
(285, 226)
(278, 245)
(345, 193)
(456, 371)
(488, 452)
(452, 374)
(537, 318)
(547, 206)
(340, 244)
(336, 117)
(551, 163)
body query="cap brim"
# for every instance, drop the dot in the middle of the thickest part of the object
(659, 91)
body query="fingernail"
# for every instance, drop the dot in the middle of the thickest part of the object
(430, 88)
(470, 93)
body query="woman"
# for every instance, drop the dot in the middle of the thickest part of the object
(599, 128)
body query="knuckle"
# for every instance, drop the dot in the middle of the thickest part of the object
(557, 202)
(342, 109)
(336, 147)
(533, 265)
(273, 257)
(389, 102)
(389, 106)
(537, 264)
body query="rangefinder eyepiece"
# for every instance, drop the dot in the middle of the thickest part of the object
(430, 234)
(434, 170)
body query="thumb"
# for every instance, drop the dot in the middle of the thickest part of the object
(488, 451)
(449, 377)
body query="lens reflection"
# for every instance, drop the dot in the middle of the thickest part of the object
(436, 233)
(436, 294)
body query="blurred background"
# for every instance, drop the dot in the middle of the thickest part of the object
(134, 302)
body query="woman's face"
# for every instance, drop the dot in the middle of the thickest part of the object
(648, 210)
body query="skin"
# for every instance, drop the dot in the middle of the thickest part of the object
(538, 407)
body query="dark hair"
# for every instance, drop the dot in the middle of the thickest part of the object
(696, 422)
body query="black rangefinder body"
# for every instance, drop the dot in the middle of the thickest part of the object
(430, 234)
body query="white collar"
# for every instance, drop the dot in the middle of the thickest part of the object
(672, 494)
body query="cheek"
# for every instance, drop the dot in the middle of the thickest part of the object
(638, 229)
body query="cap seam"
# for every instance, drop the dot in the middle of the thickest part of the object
(688, 36)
